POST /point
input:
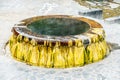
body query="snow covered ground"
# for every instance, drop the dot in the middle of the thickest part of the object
(12, 11)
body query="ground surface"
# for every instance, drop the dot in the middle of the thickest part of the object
(12, 11)
(110, 9)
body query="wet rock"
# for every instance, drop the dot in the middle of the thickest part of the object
(95, 13)
(113, 20)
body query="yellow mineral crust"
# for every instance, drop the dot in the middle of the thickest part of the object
(57, 56)
(71, 53)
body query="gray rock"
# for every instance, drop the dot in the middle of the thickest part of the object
(95, 13)
(113, 20)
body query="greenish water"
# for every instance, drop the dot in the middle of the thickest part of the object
(58, 27)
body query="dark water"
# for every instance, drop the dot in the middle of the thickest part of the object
(58, 26)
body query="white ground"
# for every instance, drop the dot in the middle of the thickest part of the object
(12, 11)
(117, 1)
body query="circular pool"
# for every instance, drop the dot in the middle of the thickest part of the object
(58, 41)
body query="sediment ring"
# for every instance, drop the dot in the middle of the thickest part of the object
(58, 41)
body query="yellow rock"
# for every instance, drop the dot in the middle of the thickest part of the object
(34, 58)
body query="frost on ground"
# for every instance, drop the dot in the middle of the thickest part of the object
(12, 11)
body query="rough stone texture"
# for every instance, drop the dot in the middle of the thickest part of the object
(12, 11)
(113, 20)
(95, 13)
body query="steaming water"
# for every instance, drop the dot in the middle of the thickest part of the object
(58, 27)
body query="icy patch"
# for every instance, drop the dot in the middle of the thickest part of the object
(47, 7)
(117, 1)
(112, 5)
(113, 19)
(91, 3)
(95, 13)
